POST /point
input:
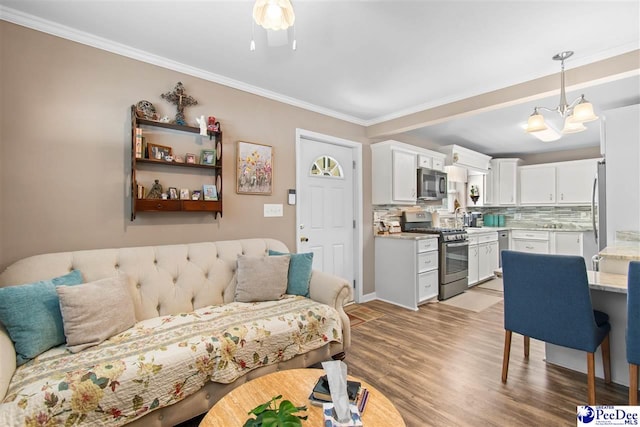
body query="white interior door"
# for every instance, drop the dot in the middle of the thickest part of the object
(327, 206)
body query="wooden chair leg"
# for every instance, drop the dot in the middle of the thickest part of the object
(526, 347)
(505, 356)
(633, 384)
(606, 359)
(591, 379)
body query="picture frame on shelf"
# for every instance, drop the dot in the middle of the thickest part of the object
(184, 194)
(178, 158)
(210, 192)
(195, 194)
(254, 173)
(158, 152)
(173, 193)
(190, 158)
(208, 157)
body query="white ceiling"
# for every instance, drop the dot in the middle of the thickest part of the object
(369, 61)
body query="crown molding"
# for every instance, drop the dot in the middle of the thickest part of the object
(59, 30)
(65, 32)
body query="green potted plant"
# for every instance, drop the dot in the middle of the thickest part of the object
(474, 193)
(269, 414)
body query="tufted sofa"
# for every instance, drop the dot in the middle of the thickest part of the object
(173, 279)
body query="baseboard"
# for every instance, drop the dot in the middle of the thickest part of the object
(368, 297)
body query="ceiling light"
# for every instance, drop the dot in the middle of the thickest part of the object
(546, 134)
(578, 112)
(571, 126)
(273, 14)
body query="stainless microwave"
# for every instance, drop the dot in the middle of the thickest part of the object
(432, 185)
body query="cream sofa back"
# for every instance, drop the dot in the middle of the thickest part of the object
(167, 279)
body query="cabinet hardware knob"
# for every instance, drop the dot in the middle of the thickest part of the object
(304, 239)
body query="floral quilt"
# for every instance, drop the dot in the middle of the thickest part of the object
(163, 360)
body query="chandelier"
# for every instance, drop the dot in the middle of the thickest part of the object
(273, 14)
(575, 114)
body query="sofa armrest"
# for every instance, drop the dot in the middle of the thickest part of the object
(7, 361)
(335, 292)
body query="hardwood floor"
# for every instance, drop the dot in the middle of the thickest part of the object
(441, 366)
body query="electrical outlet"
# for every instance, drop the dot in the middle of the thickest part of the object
(517, 216)
(272, 210)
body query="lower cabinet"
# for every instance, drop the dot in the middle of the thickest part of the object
(576, 243)
(483, 257)
(531, 241)
(406, 270)
(474, 259)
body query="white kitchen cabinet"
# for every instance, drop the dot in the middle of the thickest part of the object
(576, 243)
(502, 183)
(438, 163)
(483, 256)
(537, 185)
(406, 270)
(425, 161)
(394, 174)
(474, 259)
(531, 241)
(574, 181)
(404, 176)
(488, 181)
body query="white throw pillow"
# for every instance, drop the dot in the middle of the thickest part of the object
(94, 312)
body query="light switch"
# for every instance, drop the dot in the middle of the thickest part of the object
(272, 210)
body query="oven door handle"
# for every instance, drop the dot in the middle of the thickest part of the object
(456, 245)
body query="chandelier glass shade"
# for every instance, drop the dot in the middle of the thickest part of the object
(273, 14)
(575, 114)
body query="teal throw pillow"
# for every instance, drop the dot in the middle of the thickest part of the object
(299, 272)
(31, 315)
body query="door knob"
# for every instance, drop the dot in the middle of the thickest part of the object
(304, 239)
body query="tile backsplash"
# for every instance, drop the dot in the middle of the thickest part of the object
(543, 216)
(561, 217)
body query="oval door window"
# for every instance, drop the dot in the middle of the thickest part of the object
(326, 166)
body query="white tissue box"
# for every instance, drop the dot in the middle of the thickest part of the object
(355, 421)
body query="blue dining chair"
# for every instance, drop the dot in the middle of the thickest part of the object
(546, 297)
(633, 329)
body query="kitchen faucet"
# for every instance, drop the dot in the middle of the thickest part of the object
(455, 218)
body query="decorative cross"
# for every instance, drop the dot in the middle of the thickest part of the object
(181, 100)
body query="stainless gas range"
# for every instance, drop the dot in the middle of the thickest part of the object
(453, 254)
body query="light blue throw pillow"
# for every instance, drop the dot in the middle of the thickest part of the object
(299, 272)
(31, 315)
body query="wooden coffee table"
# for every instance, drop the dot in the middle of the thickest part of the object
(294, 385)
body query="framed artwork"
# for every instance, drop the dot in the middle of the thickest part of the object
(210, 192)
(195, 194)
(158, 152)
(190, 158)
(254, 173)
(173, 193)
(208, 157)
(184, 194)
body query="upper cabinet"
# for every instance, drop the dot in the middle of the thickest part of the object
(574, 181)
(501, 183)
(394, 171)
(537, 185)
(558, 183)
(393, 174)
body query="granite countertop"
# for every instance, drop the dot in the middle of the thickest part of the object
(407, 236)
(571, 228)
(628, 251)
(609, 282)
